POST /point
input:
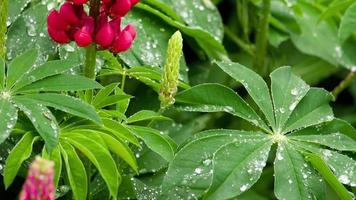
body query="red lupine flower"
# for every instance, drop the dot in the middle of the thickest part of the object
(39, 183)
(72, 23)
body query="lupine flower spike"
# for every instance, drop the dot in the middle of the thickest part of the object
(170, 75)
(39, 183)
(72, 23)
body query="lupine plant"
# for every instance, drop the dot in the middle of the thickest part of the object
(177, 99)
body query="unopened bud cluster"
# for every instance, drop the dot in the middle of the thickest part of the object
(170, 77)
(72, 23)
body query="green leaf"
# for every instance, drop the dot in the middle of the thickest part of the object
(202, 14)
(55, 156)
(335, 8)
(42, 119)
(342, 166)
(30, 30)
(348, 23)
(337, 125)
(203, 98)
(2, 73)
(313, 109)
(295, 179)
(254, 84)
(190, 171)
(19, 66)
(50, 68)
(103, 93)
(157, 142)
(233, 175)
(111, 100)
(8, 116)
(17, 156)
(62, 82)
(100, 157)
(334, 140)
(324, 170)
(120, 131)
(65, 103)
(121, 149)
(207, 42)
(287, 91)
(76, 173)
(144, 115)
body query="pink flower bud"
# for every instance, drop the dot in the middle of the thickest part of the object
(131, 29)
(39, 183)
(120, 8)
(123, 42)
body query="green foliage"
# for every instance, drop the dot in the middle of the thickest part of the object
(226, 131)
(225, 168)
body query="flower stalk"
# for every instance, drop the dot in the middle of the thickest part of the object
(262, 38)
(4, 4)
(344, 84)
(90, 54)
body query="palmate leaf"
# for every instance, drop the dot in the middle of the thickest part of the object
(302, 122)
(23, 77)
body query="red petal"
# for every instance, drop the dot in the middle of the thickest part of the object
(120, 8)
(55, 21)
(58, 35)
(134, 2)
(105, 35)
(82, 37)
(68, 13)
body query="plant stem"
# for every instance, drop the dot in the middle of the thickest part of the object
(344, 84)
(90, 57)
(123, 81)
(90, 61)
(262, 38)
(3, 26)
(246, 47)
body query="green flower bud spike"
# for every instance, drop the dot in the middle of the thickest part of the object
(170, 75)
(3, 27)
